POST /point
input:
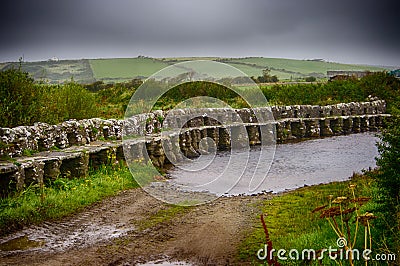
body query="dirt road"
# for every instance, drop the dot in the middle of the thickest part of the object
(133, 228)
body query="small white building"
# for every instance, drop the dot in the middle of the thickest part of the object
(54, 59)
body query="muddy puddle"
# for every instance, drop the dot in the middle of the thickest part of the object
(164, 262)
(57, 237)
(20, 243)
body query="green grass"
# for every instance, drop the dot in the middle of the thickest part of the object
(291, 224)
(119, 69)
(65, 196)
(164, 215)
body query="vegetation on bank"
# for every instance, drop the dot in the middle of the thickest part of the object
(379, 84)
(292, 224)
(387, 184)
(24, 102)
(65, 196)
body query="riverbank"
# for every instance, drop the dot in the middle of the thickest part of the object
(292, 223)
(133, 227)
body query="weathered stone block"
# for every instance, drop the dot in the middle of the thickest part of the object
(298, 128)
(356, 124)
(325, 127)
(75, 165)
(336, 124)
(312, 128)
(224, 142)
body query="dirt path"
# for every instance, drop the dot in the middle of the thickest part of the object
(111, 233)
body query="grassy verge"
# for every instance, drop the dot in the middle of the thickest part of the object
(65, 196)
(292, 225)
(164, 215)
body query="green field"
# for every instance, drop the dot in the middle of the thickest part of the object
(257, 71)
(114, 70)
(120, 69)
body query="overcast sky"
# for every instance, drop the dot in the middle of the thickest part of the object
(349, 31)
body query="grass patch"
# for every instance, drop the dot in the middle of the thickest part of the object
(65, 196)
(118, 69)
(291, 224)
(163, 215)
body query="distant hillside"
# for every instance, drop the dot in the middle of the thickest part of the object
(287, 69)
(57, 71)
(122, 69)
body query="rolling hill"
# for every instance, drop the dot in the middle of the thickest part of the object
(122, 69)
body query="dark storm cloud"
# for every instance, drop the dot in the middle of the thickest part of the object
(350, 31)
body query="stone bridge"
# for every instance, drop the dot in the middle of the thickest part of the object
(32, 154)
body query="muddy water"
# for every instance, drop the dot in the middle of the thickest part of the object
(165, 262)
(53, 237)
(294, 165)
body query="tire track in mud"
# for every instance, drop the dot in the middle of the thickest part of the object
(105, 233)
(100, 222)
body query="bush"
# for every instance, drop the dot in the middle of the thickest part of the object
(310, 79)
(388, 181)
(266, 77)
(78, 102)
(24, 102)
(384, 86)
(19, 98)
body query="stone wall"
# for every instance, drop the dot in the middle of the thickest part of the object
(69, 149)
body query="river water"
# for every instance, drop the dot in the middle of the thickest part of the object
(294, 165)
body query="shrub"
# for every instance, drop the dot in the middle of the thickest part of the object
(24, 102)
(19, 98)
(384, 86)
(78, 102)
(388, 181)
(310, 79)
